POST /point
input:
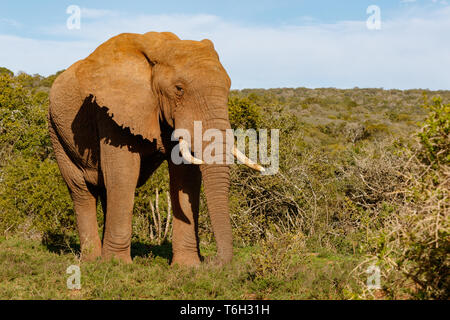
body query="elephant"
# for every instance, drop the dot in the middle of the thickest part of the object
(111, 118)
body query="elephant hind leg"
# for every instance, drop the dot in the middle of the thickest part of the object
(85, 205)
(84, 201)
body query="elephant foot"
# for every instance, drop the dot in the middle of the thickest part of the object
(216, 261)
(90, 254)
(186, 260)
(90, 257)
(121, 256)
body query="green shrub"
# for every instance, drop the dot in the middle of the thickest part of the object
(23, 119)
(435, 133)
(277, 255)
(243, 113)
(5, 71)
(34, 196)
(412, 241)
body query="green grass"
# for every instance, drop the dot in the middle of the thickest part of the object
(30, 270)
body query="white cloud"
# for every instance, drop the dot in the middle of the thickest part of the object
(38, 56)
(9, 22)
(90, 13)
(443, 2)
(409, 52)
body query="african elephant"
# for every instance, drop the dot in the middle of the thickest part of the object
(111, 117)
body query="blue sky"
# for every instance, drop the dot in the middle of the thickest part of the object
(262, 44)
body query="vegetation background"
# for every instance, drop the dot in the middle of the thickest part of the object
(363, 181)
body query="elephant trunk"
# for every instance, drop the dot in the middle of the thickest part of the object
(216, 182)
(216, 179)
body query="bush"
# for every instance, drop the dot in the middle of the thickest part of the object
(243, 113)
(435, 133)
(5, 71)
(423, 228)
(412, 242)
(34, 198)
(277, 255)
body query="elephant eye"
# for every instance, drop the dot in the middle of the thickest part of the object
(180, 90)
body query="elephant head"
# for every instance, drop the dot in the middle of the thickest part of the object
(154, 78)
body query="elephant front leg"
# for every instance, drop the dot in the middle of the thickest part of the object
(120, 173)
(185, 182)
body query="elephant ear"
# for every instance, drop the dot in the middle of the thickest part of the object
(117, 75)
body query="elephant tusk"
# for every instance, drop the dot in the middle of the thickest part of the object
(249, 163)
(186, 153)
